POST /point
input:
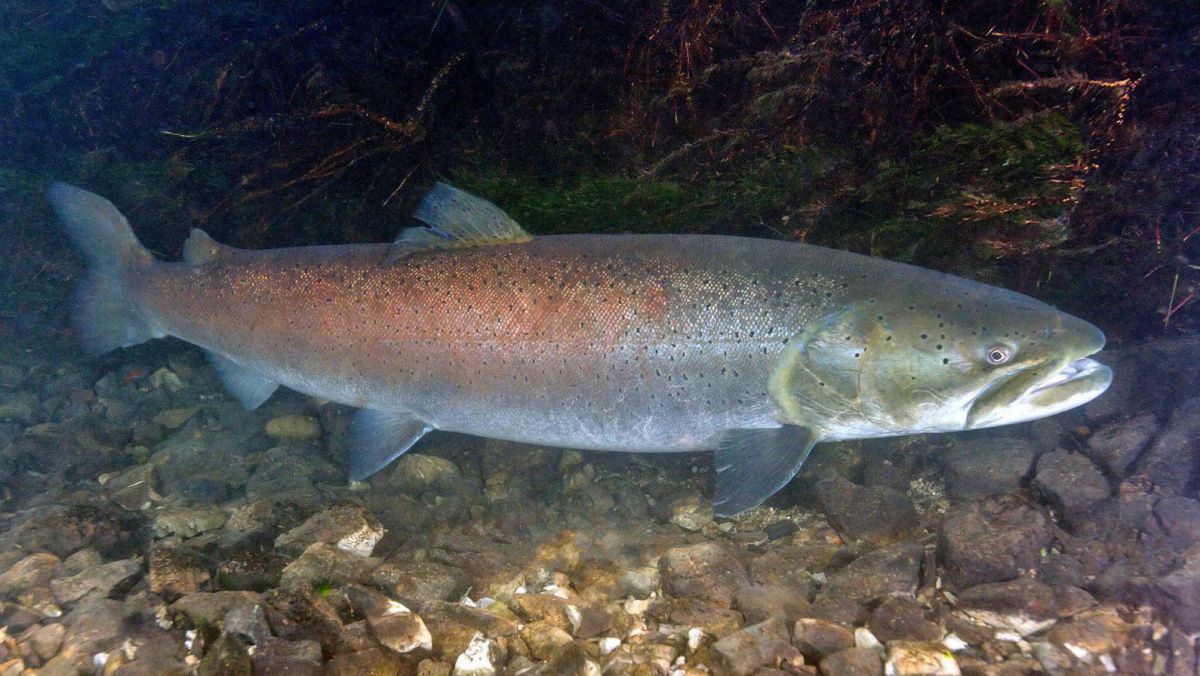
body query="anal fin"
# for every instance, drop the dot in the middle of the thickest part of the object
(752, 464)
(379, 437)
(246, 386)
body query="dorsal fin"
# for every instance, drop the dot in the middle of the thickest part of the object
(200, 248)
(457, 219)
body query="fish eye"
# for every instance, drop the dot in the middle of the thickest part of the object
(998, 354)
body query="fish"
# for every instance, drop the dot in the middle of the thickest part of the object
(754, 349)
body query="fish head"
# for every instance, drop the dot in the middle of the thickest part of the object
(937, 354)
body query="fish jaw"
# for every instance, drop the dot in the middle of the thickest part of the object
(1023, 398)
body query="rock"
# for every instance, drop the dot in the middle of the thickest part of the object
(876, 514)
(703, 571)
(907, 658)
(1099, 631)
(992, 540)
(175, 571)
(1180, 518)
(415, 473)
(891, 570)
(209, 608)
(777, 530)
(301, 616)
(982, 466)
(349, 527)
(764, 644)
(94, 626)
(1116, 446)
(81, 561)
(902, 618)
(248, 622)
(322, 563)
(817, 638)
(852, 662)
(35, 570)
(277, 657)
(203, 461)
(372, 661)
(544, 638)
(453, 626)
(1024, 606)
(291, 473)
(226, 657)
(1071, 482)
(63, 530)
(258, 521)
(481, 658)
(135, 488)
(572, 660)
(1171, 460)
(1178, 593)
(640, 583)
(46, 641)
(426, 580)
(391, 623)
(189, 522)
(100, 580)
(761, 602)
(685, 612)
(293, 428)
(544, 607)
(691, 512)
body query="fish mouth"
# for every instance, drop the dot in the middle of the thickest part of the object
(1031, 394)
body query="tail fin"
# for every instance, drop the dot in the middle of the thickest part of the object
(105, 316)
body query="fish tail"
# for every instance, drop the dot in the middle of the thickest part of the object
(104, 313)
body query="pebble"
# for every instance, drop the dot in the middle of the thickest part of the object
(481, 658)
(46, 640)
(293, 428)
(691, 512)
(874, 514)
(640, 583)
(414, 473)
(35, 570)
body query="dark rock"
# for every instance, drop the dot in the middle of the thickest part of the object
(761, 645)
(685, 612)
(777, 530)
(876, 514)
(453, 625)
(838, 609)
(902, 618)
(226, 657)
(1100, 631)
(640, 583)
(703, 571)
(1116, 445)
(255, 524)
(1023, 605)
(1071, 482)
(93, 627)
(251, 570)
(761, 602)
(160, 654)
(203, 461)
(277, 657)
(1173, 460)
(46, 641)
(780, 566)
(297, 616)
(544, 639)
(291, 474)
(982, 466)
(992, 540)
(891, 570)
(1061, 570)
(100, 580)
(571, 660)
(852, 662)
(1180, 519)
(391, 623)
(176, 570)
(348, 527)
(1178, 593)
(817, 638)
(248, 622)
(209, 608)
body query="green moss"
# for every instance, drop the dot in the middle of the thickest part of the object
(1000, 189)
(735, 199)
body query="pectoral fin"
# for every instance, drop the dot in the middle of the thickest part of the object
(379, 437)
(248, 387)
(752, 464)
